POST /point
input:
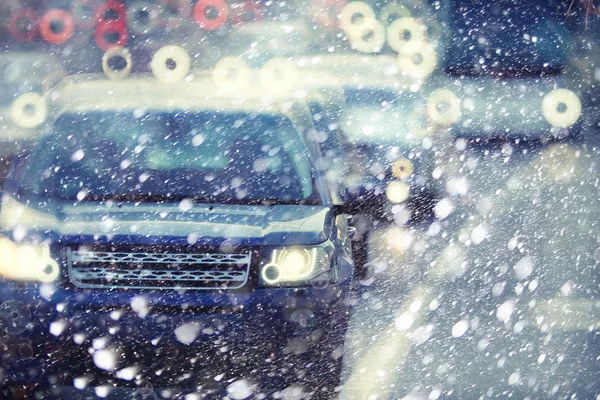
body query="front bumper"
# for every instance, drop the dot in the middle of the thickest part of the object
(273, 338)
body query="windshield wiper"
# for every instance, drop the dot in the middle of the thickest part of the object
(278, 202)
(136, 198)
(170, 198)
(510, 72)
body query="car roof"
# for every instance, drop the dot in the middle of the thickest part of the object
(85, 92)
(322, 78)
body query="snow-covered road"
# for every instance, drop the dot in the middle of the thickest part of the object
(499, 296)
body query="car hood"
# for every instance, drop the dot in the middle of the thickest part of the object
(254, 225)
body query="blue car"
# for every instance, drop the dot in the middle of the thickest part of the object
(173, 239)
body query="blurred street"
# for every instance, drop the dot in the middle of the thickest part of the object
(497, 299)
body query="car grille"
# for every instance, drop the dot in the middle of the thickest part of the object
(141, 270)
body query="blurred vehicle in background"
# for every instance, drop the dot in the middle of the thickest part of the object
(382, 143)
(22, 73)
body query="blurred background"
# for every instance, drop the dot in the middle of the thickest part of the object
(487, 288)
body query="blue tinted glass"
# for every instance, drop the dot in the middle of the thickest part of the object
(513, 38)
(209, 156)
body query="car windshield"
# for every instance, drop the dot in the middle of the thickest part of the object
(206, 156)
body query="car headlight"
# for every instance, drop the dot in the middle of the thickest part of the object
(27, 262)
(295, 266)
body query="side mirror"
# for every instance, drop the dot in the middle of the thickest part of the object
(365, 195)
(376, 198)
